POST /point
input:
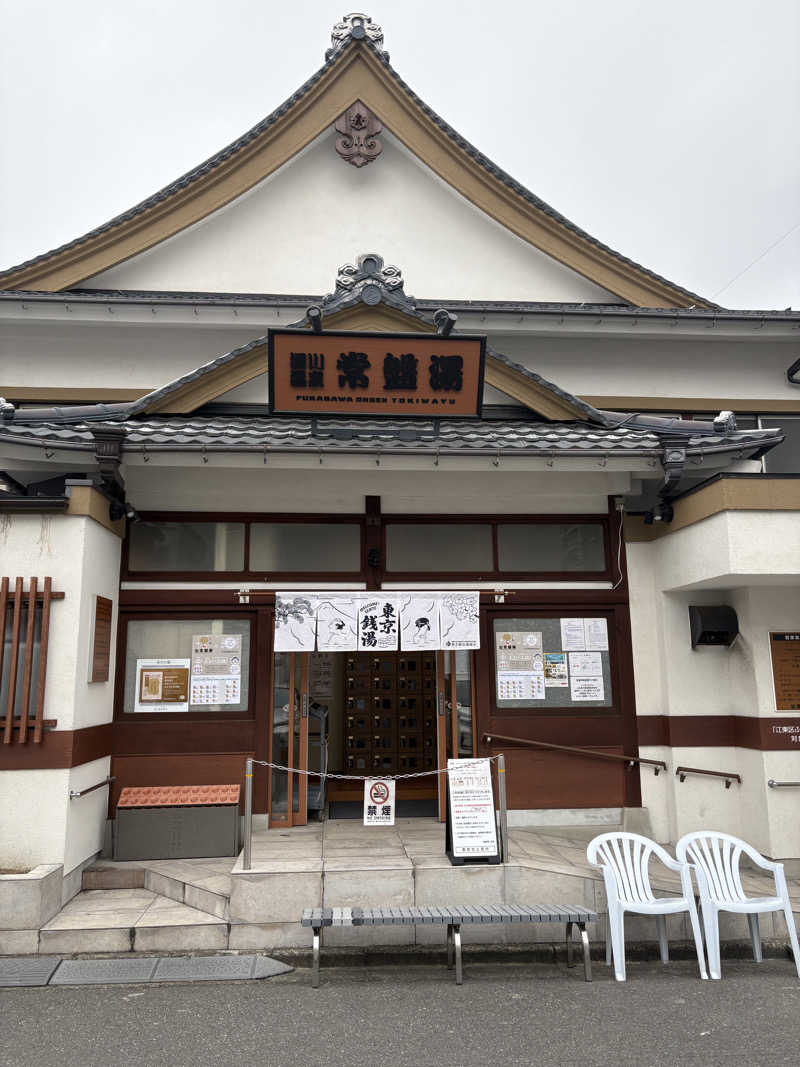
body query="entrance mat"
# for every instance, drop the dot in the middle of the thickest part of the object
(39, 970)
(405, 809)
(27, 970)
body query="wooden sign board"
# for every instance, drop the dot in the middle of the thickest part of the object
(371, 374)
(101, 640)
(785, 652)
(470, 830)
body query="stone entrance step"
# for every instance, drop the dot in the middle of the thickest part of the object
(201, 884)
(131, 920)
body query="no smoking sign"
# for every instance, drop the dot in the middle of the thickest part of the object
(379, 802)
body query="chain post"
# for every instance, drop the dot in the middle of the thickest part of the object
(248, 813)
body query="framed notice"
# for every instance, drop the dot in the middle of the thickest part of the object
(162, 685)
(471, 830)
(100, 661)
(373, 374)
(784, 647)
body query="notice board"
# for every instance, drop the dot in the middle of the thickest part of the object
(471, 830)
(784, 649)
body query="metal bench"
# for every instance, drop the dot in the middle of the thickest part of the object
(454, 918)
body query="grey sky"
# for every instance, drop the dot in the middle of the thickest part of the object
(669, 131)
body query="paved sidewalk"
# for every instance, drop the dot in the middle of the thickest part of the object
(510, 1015)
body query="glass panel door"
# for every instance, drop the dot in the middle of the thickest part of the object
(455, 702)
(289, 739)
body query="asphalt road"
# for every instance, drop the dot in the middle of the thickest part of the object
(415, 1015)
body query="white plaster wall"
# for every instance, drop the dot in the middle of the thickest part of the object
(145, 355)
(82, 558)
(731, 549)
(33, 817)
(436, 491)
(86, 815)
(687, 367)
(673, 679)
(292, 231)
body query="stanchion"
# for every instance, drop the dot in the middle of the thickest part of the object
(501, 789)
(248, 813)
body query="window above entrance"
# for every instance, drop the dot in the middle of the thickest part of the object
(342, 547)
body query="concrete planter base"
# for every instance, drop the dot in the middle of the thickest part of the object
(28, 901)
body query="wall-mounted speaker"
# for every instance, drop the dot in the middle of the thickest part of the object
(713, 624)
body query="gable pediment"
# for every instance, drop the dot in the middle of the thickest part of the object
(356, 72)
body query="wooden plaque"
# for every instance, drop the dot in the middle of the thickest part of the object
(371, 374)
(785, 651)
(101, 640)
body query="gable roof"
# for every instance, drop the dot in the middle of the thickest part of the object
(357, 70)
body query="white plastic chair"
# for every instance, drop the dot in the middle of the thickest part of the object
(624, 860)
(716, 859)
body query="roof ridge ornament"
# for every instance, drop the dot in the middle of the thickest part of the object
(356, 27)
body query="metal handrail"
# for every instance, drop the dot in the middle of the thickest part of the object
(781, 785)
(729, 776)
(75, 793)
(656, 764)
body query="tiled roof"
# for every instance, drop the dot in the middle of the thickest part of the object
(163, 796)
(220, 157)
(332, 434)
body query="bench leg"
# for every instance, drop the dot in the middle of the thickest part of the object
(450, 946)
(587, 959)
(315, 959)
(457, 946)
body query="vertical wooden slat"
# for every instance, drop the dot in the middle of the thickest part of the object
(26, 672)
(12, 664)
(3, 610)
(40, 682)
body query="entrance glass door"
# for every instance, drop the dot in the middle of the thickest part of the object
(454, 703)
(288, 790)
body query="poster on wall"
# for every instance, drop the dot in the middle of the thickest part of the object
(519, 651)
(378, 626)
(573, 637)
(216, 669)
(295, 622)
(321, 676)
(586, 688)
(337, 624)
(596, 631)
(419, 623)
(162, 685)
(459, 621)
(471, 831)
(555, 670)
(784, 650)
(520, 685)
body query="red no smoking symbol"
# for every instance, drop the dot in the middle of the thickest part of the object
(379, 792)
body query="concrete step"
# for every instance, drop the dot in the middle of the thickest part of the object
(204, 886)
(131, 920)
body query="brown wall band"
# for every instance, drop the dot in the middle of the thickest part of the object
(773, 734)
(59, 749)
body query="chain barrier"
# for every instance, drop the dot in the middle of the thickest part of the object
(360, 777)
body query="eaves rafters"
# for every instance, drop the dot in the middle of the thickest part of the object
(359, 71)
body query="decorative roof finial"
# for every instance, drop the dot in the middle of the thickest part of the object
(356, 27)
